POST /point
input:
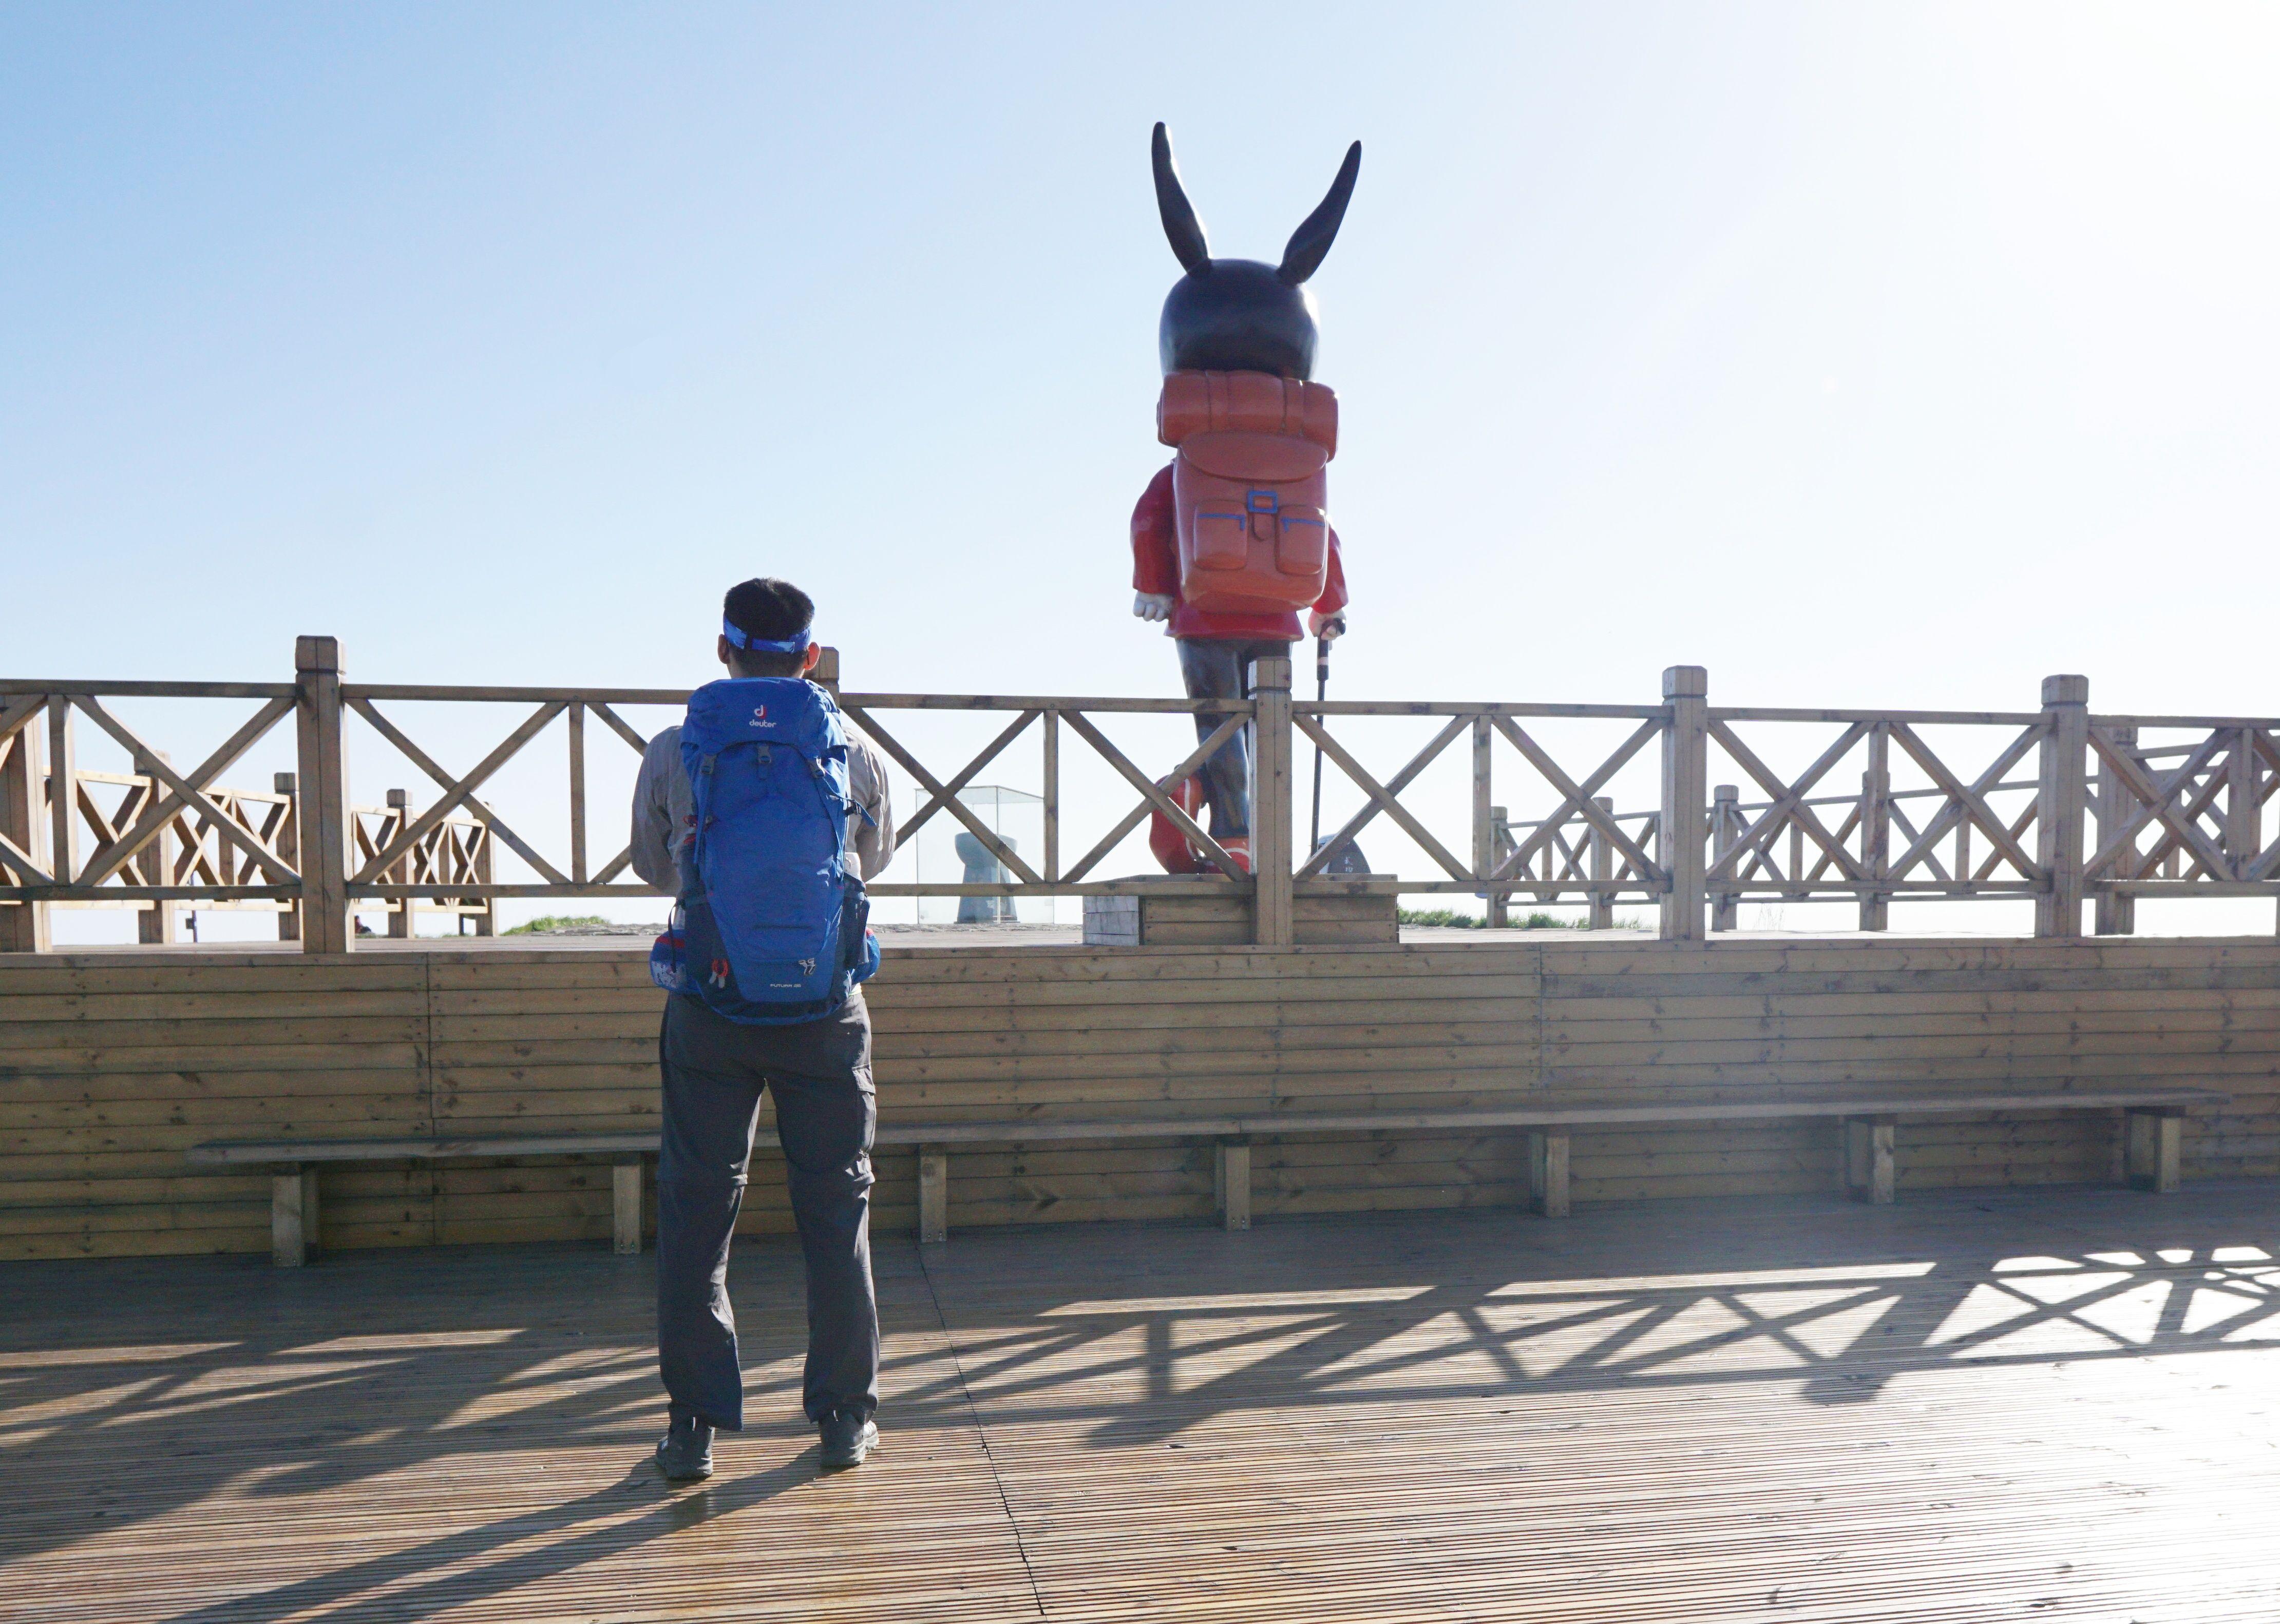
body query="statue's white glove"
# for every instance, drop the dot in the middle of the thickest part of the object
(1153, 605)
(1329, 627)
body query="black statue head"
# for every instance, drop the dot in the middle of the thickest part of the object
(1238, 315)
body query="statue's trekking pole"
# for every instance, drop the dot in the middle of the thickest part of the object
(1321, 692)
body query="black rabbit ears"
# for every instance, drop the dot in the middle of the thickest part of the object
(1180, 225)
(1303, 255)
(1301, 259)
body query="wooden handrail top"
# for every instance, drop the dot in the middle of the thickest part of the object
(2265, 724)
(1922, 719)
(1063, 704)
(1477, 707)
(573, 692)
(1025, 1132)
(149, 690)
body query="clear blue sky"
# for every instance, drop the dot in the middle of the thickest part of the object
(1863, 354)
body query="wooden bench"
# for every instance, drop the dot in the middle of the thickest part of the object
(293, 1165)
(2153, 1145)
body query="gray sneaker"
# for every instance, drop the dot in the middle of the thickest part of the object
(685, 1454)
(847, 1439)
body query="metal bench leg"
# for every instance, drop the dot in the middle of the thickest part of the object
(934, 1194)
(1231, 1183)
(1547, 1171)
(292, 1226)
(2154, 1149)
(626, 1208)
(1868, 1158)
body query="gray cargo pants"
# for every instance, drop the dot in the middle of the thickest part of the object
(1215, 668)
(826, 1112)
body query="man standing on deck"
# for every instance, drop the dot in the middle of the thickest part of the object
(714, 1068)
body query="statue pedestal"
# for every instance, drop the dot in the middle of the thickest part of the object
(1204, 911)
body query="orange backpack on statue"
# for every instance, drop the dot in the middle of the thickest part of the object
(1248, 488)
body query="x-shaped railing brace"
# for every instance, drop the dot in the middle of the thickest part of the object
(1582, 800)
(1788, 802)
(188, 793)
(457, 792)
(1155, 794)
(2157, 800)
(1963, 802)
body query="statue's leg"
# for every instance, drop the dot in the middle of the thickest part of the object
(1213, 670)
(980, 869)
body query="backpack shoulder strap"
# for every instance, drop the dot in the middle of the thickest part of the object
(700, 799)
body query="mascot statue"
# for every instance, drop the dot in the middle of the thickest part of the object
(1233, 538)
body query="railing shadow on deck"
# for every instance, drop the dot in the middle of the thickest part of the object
(283, 1391)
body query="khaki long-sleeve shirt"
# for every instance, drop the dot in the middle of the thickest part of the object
(664, 815)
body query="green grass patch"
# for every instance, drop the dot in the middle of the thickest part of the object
(555, 921)
(1451, 918)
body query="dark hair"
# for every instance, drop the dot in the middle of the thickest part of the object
(774, 611)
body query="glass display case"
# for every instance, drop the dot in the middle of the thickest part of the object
(945, 851)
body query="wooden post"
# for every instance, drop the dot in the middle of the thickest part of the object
(289, 850)
(577, 721)
(24, 927)
(1270, 802)
(826, 674)
(63, 792)
(1499, 903)
(399, 873)
(625, 1207)
(1877, 828)
(2153, 1153)
(1547, 1171)
(1231, 1182)
(2243, 810)
(2063, 791)
(2114, 915)
(293, 1217)
(1685, 772)
(156, 921)
(1050, 722)
(1602, 914)
(1485, 814)
(1725, 907)
(934, 1194)
(2137, 1151)
(486, 916)
(1868, 1158)
(328, 924)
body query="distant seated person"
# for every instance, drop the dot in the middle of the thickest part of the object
(774, 739)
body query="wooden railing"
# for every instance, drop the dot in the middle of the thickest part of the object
(1946, 808)
(188, 860)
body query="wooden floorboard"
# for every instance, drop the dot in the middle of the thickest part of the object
(2056, 1403)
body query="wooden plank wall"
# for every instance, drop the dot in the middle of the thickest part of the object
(112, 1064)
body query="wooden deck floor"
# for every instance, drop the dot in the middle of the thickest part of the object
(1975, 1405)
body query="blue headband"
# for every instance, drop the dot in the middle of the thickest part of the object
(761, 645)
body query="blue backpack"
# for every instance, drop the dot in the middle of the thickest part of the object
(770, 929)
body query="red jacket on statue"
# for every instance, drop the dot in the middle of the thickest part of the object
(1156, 571)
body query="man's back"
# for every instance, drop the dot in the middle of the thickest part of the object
(664, 810)
(715, 1066)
